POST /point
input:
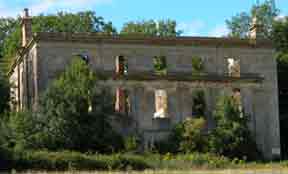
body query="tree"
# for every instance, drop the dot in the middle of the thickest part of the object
(163, 28)
(74, 114)
(5, 156)
(86, 21)
(280, 38)
(240, 24)
(7, 26)
(231, 130)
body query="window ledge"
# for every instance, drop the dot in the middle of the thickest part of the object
(183, 76)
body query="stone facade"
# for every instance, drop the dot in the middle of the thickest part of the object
(47, 55)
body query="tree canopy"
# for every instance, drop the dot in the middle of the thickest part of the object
(163, 28)
(240, 24)
(87, 21)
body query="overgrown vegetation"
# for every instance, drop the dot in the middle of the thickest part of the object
(69, 160)
(199, 105)
(160, 65)
(240, 24)
(74, 114)
(197, 65)
(231, 136)
(162, 28)
(232, 130)
(4, 93)
(10, 33)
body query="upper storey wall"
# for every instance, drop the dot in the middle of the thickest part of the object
(54, 57)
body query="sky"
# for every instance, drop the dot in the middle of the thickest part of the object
(194, 17)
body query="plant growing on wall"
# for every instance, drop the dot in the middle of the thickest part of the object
(199, 105)
(197, 64)
(160, 65)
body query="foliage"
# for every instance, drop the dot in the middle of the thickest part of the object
(75, 161)
(231, 137)
(160, 65)
(25, 130)
(131, 143)
(197, 65)
(187, 136)
(193, 138)
(163, 28)
(5, 154)
(240, 24)
(86, 21)
(65, 120)
(280, 38)
(199, 105)
(7, 26)
(4, 93)
(69, 160)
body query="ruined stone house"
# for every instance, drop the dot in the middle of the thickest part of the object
(156, 100)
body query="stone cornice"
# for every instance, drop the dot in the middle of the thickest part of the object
(148, 40)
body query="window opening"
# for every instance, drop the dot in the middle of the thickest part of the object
(121, 65)
(122, 103)
(238, 100)
(161, 104)
(233, 67)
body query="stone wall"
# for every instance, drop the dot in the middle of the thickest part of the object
(260, 99)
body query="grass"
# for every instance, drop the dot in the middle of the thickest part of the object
(75, 161)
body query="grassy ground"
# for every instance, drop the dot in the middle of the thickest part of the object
(147, 163)
(227, 171)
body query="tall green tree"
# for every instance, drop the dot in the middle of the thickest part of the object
(232, 130)
(280, 38)
(163, 28)
(240, 24)
(7, 26)
(86, 21)
(74, 113)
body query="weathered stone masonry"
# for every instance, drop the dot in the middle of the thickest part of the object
(47, 54)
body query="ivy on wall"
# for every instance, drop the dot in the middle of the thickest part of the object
(197, 64)
(160, 65)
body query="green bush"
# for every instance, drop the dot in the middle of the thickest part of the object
(131, 143)
(187, 136)
(232, 137)
(67, 160)
(193, 138)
